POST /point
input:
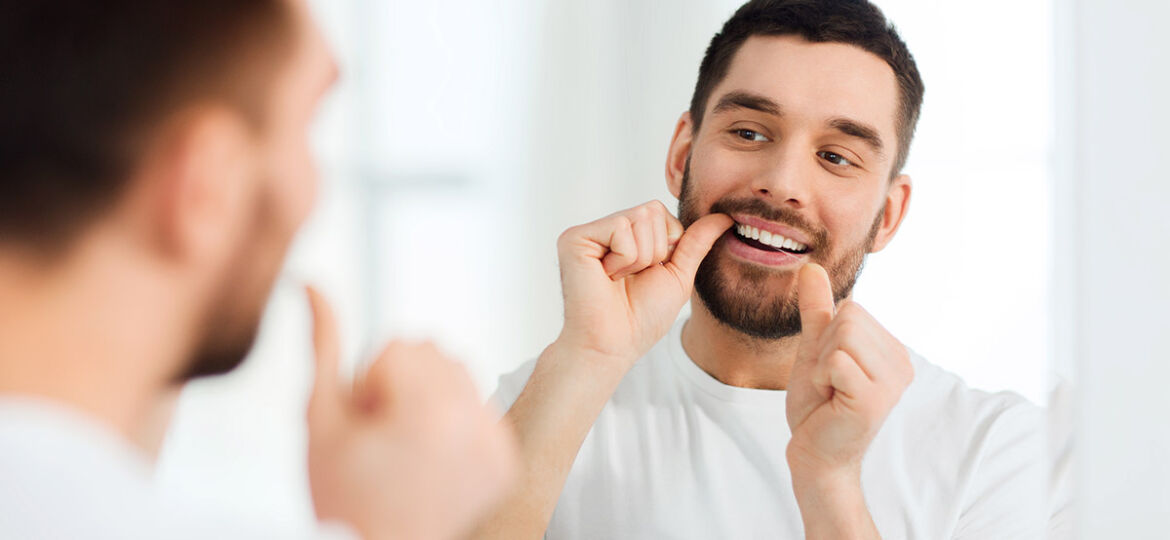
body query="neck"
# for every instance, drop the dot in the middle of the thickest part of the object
(99, 332)
(734, 358)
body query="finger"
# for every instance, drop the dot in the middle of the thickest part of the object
(326, 396)
(694, 245)
(388, 378)
(853, 331)
(661, 244)
(840, 373)
(623, 249)
(674, 229)
(415, 373)
(644, 237)
(814, 292)
(674, 232)
(883, 358)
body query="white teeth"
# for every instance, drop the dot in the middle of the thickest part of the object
(768, 238)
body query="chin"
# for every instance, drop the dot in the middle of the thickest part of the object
(230, 330)
(221, 355)
(757, 301)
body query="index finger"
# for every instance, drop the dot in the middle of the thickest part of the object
(326, 389)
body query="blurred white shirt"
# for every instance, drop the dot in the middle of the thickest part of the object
(66, 476)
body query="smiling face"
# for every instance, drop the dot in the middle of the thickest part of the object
(797, 144)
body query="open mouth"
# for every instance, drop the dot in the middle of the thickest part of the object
(767, 241)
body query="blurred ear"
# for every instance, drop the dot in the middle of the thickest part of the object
(897, 204)
(201, 174)
(680, 150)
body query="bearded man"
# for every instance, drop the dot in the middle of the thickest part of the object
(780, 408)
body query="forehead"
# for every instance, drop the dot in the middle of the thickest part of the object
(815, 81)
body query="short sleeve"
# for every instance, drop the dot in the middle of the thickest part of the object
(1007, 496)
(510, 386)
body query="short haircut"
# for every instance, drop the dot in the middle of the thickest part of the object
(85, 85)
(853, 22)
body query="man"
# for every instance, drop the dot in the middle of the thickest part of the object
(154, 166)
(781, 408)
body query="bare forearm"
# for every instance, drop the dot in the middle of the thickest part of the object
(832, 506)
(551, 418)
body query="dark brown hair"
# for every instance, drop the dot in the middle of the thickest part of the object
(85, 85)
(854, 22)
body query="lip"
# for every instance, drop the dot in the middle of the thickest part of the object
(741, 250)
(774, 228)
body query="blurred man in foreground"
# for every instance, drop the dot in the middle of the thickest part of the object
(154, 167)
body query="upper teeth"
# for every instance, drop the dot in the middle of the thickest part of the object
(765, 237)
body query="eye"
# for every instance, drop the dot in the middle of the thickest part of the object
(749, 135)
(834, 158)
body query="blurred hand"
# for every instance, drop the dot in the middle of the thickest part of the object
(626, 276)
(410, 452)
(849, 373)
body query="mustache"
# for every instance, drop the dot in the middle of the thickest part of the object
(778, 214)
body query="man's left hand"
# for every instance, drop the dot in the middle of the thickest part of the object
(849, 373)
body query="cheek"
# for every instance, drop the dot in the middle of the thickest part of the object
(294, 181)
(717, 173)
(848, 219)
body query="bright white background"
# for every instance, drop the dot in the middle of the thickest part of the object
(466, 135)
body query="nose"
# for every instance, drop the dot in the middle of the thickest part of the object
(786, 178)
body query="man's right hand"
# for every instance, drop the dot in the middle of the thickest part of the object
(626, 276)
(409, 452)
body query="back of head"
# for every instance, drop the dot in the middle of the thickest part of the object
(86, 86)
(853, 22)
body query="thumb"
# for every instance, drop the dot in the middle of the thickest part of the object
(696, 241)
(814, 292)
(325, 400)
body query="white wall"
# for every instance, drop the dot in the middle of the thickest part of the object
(1116, 242)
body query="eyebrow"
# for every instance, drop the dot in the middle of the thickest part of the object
(858, 130)
(746, 100)
(739, 99)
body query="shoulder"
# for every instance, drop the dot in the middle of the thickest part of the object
(993, 436)
(984, 434)
(986, 448)
(939, 393)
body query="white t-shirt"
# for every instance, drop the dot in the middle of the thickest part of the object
(65, 476)
(677, 454)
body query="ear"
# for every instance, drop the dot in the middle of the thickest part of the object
(202, 174)
(897, 204)
(680, 151)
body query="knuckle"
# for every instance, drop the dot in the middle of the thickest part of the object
(565, 237)
(846, 327)
(838, 363)
(623, 224)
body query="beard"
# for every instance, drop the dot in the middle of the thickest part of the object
(236, 306)
(739, 295)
